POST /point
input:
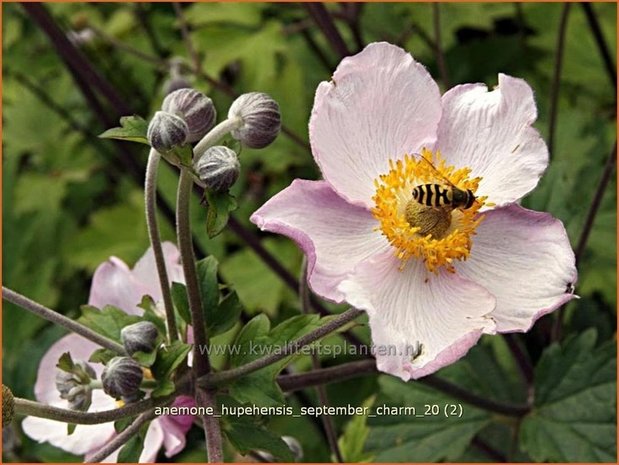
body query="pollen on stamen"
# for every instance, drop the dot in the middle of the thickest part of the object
(437, 237)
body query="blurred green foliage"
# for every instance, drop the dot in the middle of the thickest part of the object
(70, 203)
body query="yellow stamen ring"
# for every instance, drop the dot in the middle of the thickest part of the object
(452, 234)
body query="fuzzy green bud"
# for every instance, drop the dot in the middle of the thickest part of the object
(218, 168)
(167, 131)
(261, 120)
(195, 108)
(121, 378)
(139, 337)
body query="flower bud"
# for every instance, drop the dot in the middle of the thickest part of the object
(8, 405)
(74, 385)
(261, 119)
(218, 168)
(166, 131)
(122, 377)
(195, 108)
(139, 337)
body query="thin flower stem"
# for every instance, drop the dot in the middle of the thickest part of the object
(447, 387)
(37, 409)
(324, 21)
(291, 348)
(609, 167)
(61, 320)
(289, 383)
(556, 79)
(201, 364)
(335, 374)
(215, 135)
(150, 201)
(191, 51)
(122, 438)
(598, 36)
(323, 398)
(440, 56)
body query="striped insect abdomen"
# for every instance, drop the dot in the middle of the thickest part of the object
(432, 195)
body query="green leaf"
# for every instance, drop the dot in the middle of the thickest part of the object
(428, 438)
(102, 356)
(146, 359)
(150, 313)
(163, 388)
(248, 433)
(131, 451)
(574, 418)
(181, 304)
(254, 341)
(109, 321)
(356, 432)
(133, 128)
(220, 204)
(209, 288)
(65, 362)
(168, 358)
(71, 428)
(226, 315)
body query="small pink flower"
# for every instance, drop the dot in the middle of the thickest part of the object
(494, 267)
(113, 284)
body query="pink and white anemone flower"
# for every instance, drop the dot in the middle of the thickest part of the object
(113, 284)
(430, 291)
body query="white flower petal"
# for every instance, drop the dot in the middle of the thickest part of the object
(152, 442)
(442, 314)
(334, 234)
(380, 105)
(525, 260)
(85, 438)
(491, 133)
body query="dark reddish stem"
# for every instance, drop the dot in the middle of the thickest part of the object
(324, 21)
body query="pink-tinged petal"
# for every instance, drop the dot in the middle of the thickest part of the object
(152, 443)
(85, 439)
(380, 105)
(444, 315)
(525, 260)
(334, 234)
(145, 270)
(114, 284)
(175, 427)
(491, 133)
(80, 349)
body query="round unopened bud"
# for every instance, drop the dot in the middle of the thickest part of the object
(261, 119)
(166, 131)
(122, 377)
(74, 386)
(195, 108)
(8, 405)
(139, 337)
(218, 168)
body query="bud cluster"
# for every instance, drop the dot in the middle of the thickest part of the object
(187, 115)
(74, 386)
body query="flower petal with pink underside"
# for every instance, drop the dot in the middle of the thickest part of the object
(334, 234)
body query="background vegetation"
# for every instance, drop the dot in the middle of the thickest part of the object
(71, 200)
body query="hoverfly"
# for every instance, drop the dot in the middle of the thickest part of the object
(442, 196)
